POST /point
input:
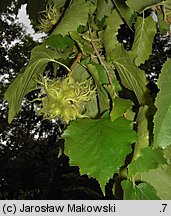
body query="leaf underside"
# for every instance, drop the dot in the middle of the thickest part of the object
(26, 81)
(160, 178)
(162, 126)
(139, 6)
(131, 76)
(76, 15)
(149, 159)
(145, 29)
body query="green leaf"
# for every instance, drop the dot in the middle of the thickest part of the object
(143, 191)
(125, 11)
(164, 27)
(91, 108)
(145, 29)
(83, 44)
(101, 73)
(142, 130)
(162, 126)
(25, 81)
(80, 74)
(167, 153)
(76, 15)
(99, 147)
(120, 106)
(59, 43)
(139, 6)
(103, 8)
(116, 86)
(108, 37)
(59, 3)
(167, 4)
(149, 159)
(131, 76)
(102, 94)
(160, 179)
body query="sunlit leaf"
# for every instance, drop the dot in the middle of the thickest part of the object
(99, 147)
(162, 126)
(144, 191)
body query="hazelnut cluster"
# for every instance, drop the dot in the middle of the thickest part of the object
(49, 18)
(64, 98)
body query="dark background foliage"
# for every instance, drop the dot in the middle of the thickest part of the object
(32, 165)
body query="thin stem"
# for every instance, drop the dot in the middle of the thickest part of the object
(61, 65)
(99, 58)
(75, 62)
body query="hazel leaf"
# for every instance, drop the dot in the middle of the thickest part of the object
(25, 82)
(99, 147)
(144, 191)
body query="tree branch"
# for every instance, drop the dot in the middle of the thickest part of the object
(99, 58)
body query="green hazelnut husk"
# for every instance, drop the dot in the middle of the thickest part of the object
(65, 98)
